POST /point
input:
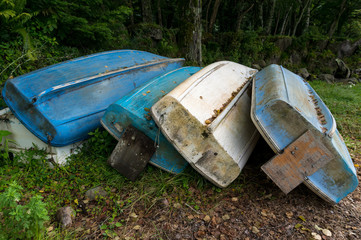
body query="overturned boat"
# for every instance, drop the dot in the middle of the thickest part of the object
(207, 119)
(23, 139)
(299, 127)
(134, 110)
(62, 103)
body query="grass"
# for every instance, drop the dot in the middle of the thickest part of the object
(344, 101)
(66, 185)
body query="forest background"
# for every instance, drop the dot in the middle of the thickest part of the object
(294, 33)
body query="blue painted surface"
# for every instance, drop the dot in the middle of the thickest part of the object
(62, 103)
(284, 107)
(134, 109)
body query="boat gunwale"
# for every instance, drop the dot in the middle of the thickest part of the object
(218, 120)
(97, 78)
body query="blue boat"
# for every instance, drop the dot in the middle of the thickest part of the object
(133, 109)
(284, 107)
(62, 103)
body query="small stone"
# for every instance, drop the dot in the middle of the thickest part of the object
(225, 217)
(177, 205)
(255, 230)
(329, 78)
(303, 73)
(164, 202)
(234, 199)
(316, 236)
(327, 232)
(256, 66)
(65, 216)
(262, 63)
(208, 121)
(207, 218)
(137, 227)
(94, 193)
(133, 215)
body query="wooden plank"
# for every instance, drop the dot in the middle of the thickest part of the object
(132, 153)
(300, 159)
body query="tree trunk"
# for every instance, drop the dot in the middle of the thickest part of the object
(131, 15)
(207, 11)
(214, 15)
(284, 24)
(300, 17)
(277, 23)
(241, 16)
(147, 11)
(308, 16)
(159, 10)
(260, 14)
(270, 19)
(195, 46)
(335, 22)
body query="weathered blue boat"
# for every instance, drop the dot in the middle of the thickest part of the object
(62, 103)
(133, 109)
(284, 109)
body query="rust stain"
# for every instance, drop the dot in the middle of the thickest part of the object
(224, 105)
(321, 118)
(146, 116)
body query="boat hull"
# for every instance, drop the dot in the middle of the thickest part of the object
(25, 140)
(62, 103)
(284, 107)
(207, 119)
(133, 109)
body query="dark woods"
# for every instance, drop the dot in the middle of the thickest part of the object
(36, 33)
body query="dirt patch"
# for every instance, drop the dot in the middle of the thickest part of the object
(250, 208)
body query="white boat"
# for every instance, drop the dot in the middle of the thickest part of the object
(207, 119)
(25, 140)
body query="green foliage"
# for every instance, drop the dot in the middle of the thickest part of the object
(344, 103)
(99, 142)
(20, 221)
(4, 145)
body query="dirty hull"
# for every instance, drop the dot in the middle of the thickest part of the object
(25, 140)
(62, 103)
(284, 107)
(132, 153)
(134, 108)
(207, 119)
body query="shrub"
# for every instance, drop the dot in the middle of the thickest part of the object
(21, 221)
